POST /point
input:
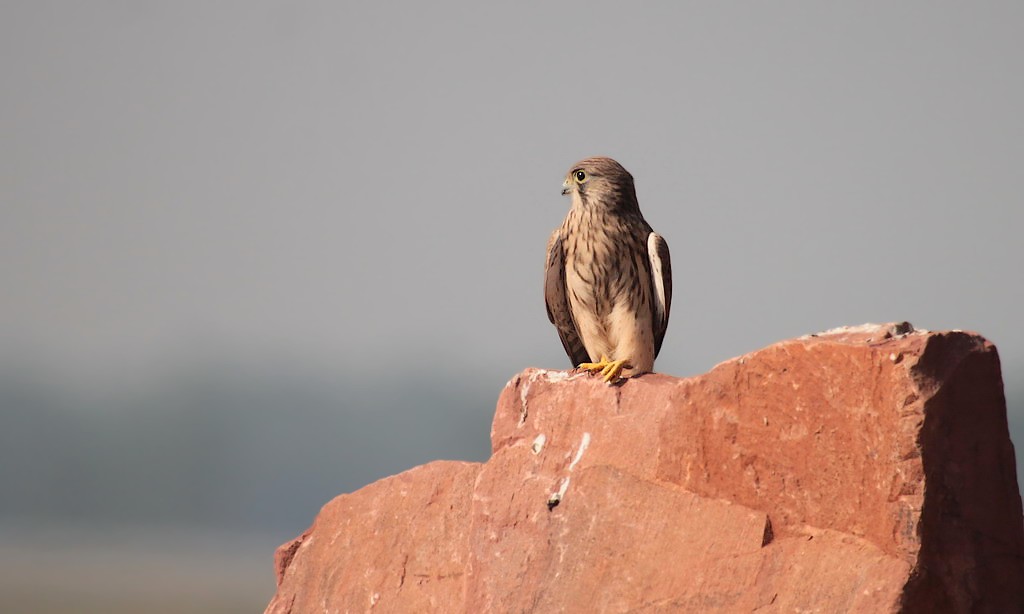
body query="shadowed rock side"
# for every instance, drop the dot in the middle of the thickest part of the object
(864, 469)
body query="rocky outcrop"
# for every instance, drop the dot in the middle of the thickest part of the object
(865, 469)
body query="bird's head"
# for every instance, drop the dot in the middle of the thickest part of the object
(600, 182)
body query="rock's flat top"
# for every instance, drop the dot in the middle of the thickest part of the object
(864, 469)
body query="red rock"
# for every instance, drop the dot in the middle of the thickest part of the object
(859, 470)
(399, 544)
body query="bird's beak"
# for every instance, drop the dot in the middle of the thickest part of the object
(565, 187)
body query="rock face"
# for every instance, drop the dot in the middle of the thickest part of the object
(865, 469)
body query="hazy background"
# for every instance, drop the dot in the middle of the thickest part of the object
(257, 254)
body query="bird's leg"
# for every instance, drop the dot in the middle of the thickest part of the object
(610, 369)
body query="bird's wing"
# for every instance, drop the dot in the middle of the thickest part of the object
(557, 302)
(661, 283)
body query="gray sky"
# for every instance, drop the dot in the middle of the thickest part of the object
(358, 189)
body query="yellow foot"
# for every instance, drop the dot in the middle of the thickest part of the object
(610, 369)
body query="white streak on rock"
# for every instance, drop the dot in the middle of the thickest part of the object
(579, 453)
(538, 443)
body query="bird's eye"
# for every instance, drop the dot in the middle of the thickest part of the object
(580, 176)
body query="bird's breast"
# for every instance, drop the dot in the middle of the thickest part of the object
(602, 267)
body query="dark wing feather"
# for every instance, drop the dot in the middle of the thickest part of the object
(661, 286)
(557, 302)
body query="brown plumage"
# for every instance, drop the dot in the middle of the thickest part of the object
(608, 284)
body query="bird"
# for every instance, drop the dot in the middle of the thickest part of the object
(608, 278)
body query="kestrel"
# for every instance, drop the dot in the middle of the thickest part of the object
(608, 284)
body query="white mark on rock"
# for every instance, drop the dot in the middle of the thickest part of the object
(538, 443)
(552, 377)
(565, 487)
(556, 497)
(583, 448)
(557, 376)
(524, 406)
(869, 327)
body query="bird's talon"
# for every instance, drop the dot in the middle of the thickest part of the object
(613, 371)
(609, 370)
(594, 366)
